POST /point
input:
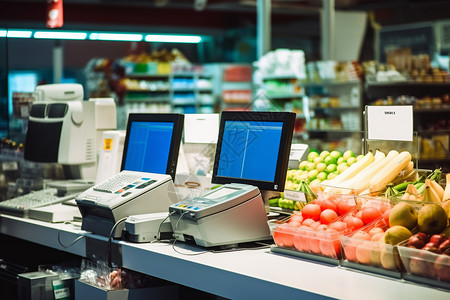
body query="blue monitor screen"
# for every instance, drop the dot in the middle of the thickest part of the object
(148, 147)
(250, 150)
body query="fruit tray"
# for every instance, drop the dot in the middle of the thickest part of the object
(426, 267)
(366, 250)
(311, 239)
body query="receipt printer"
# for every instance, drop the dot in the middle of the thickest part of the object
(226, 216)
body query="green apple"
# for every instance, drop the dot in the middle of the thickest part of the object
(351, 160)
(336, 154)
(358, 158)
(302, 165)
(321, 167)
(322, 176)
(324, 153)
(347, 154)
(316, 181)
(331, 168)
(331, 175)
(312, 155)
(330, 160)
(342, 167)
(304, 176)
(312, 175)
(310, 166)
(340, 160)
(318, 160)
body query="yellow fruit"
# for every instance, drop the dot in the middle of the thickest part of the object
(396, 234)
(446, 207)
(403, 214)
(387, 259)
(431, 219)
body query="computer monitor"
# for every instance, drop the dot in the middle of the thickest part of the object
(152, 143)
(253, 148)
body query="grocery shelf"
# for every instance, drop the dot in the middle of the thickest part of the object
(148, 90)
(148, 99)
(286, 97)
(281, 77)
(431, 110)
(433, 132)
(337, 108)
(146, 75)
(406, 83)
(333, 130)
(330, 83)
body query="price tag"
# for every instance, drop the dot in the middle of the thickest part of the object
(394, 123)
(294, 195)
(61, 290)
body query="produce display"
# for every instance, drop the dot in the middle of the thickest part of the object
(316, 229)
(318, 167)
(378, 213)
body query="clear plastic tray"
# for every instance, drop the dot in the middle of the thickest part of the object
(372, 255)
(304, 239)
(425, 266)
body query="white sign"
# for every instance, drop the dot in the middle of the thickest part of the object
(201, 128)
(294, 195)
(394, 123)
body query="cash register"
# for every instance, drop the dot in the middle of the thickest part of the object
(145, 182)
(252, 154)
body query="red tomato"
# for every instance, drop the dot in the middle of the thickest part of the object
(357, 223)
(311, 211)
(284, 236)
(370, 214)
(314, 241)
(350, 250)
(386, 216)
(303, 238)
(308, 222)
(315, 225)
(361, 235)
(343, 207)
(328, 204)
(296, 219)
(338, 226)
(327, 216)
(330, 248)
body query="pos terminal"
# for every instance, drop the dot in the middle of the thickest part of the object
(252, 154)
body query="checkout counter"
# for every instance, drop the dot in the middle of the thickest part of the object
(243, 274)
(234, 273)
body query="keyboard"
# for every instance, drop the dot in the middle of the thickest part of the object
(117, 182)
(20, 205)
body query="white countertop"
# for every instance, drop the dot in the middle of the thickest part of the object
(243, 274)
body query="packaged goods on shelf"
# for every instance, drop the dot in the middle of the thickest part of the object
(283, 62)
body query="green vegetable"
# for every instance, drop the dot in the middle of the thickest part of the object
(402, 186)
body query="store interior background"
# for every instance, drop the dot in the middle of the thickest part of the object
(229, 29)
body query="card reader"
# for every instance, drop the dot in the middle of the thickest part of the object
(229, 215)
(145, 228)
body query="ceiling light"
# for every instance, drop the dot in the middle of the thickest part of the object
(65, 35)
(19, 34)
(3, 32)
(131, 37)
(173, 38)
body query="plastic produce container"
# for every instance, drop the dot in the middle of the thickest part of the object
(365, 250)
(313, 242)
(424, 266)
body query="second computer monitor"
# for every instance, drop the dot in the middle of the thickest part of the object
(253, 148)
(152, 143)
